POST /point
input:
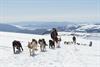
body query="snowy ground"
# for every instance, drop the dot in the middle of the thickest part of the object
(66, 56)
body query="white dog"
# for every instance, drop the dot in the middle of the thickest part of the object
(32, 46)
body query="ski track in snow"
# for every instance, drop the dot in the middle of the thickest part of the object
(66, 56)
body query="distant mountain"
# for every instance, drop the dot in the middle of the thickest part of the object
(44, 28)
(8, 28)
(91, 28)
(43, 25)
(13, 28)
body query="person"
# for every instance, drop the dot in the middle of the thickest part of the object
(74, 39)
(90, 43)
(54, 35)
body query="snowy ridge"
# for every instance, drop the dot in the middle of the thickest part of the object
(45, 28)
(89, 28)
(66, 56)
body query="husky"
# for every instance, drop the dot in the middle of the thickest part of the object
(17, 45)
(32, 47)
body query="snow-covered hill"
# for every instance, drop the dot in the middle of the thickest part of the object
(66, 56)
(46, 27)
(91, 28)
(20, 29)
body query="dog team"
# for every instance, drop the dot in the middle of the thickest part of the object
(33, 45)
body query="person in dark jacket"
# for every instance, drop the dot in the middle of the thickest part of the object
(54, 35)
(90, 43)
(74, 39)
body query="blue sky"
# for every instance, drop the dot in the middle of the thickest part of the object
(49, 10)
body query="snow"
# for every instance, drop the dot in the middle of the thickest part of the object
(66, 56)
